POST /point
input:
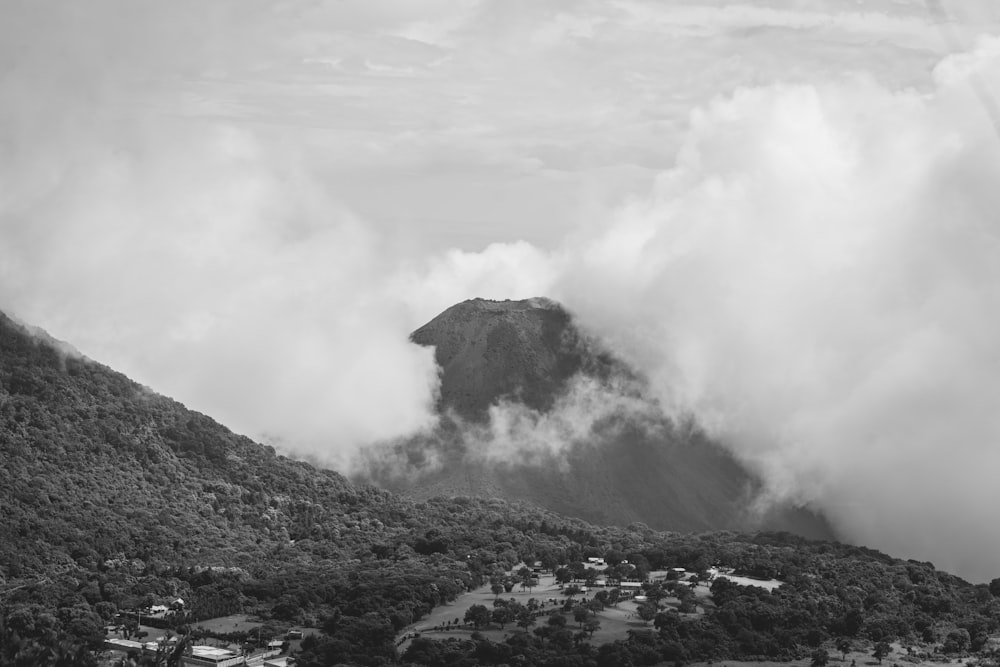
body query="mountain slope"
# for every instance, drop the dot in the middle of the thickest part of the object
(628, 468)
(113, 498)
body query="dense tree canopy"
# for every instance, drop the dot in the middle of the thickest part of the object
(113, 498)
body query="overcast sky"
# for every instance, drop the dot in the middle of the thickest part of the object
(784, 211)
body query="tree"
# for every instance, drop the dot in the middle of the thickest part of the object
(666, 619)
(502, 616)
(563, 575)
(844, 646)
(614, 595)
(882, 649)
(572, 590)
(496, 585)
(819, 658)
(525, 619)
(591, 625)
(557, 620)
(647, 611)
(580, 614)
(478, 615)
(957, 641)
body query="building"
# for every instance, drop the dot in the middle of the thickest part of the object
(211, 656)
(122, 645)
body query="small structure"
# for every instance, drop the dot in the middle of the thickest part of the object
(122, 645)
(211, 656)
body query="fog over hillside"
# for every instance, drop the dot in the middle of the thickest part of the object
(784, 215)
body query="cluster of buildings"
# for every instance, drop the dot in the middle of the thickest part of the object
(206, 656)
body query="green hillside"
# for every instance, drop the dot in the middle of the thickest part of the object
(113, 498)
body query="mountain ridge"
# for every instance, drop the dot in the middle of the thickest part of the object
(114, 498)
(528, 353)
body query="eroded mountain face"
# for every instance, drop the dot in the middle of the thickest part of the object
(533, 409)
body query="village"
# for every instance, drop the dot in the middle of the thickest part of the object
(127, 641)
(605, 604)
(615, 603)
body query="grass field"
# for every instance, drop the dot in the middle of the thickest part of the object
(615, 621)
(615, 624)
(233, 623)
(857, 658)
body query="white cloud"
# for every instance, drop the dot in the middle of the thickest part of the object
(816, 280)
(195, 195)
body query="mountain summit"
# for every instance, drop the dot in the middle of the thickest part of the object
(523, 350)
(520, 361)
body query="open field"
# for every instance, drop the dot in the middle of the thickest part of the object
(615, 621)
(857, 658)
(233, 623)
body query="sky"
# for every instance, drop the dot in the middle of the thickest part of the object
(783, 211)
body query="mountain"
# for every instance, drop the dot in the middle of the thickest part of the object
(633, 465)
(114, 498)
(524, 350)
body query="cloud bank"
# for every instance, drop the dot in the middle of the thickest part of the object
(249, 208)
(818, 280)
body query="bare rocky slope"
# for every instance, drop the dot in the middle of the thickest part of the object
(668, 476)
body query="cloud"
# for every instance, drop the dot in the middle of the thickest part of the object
(203, 257)
(817, 280)
(212, 264)
(588, 411)
(192, 197)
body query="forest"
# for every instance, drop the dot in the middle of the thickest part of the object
(113, 498)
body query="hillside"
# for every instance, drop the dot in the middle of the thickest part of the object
(113, 498)
(528, 353)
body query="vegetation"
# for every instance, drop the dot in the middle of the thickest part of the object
(113, 499)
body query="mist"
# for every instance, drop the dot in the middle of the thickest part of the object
(249, 209)
(818, 281)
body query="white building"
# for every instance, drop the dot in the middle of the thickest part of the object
(211, 656)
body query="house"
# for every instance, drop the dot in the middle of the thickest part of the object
(293, 634)
(122, 645)
(210, 656)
